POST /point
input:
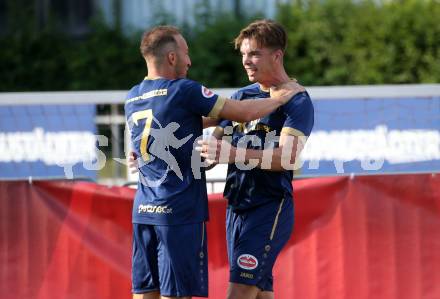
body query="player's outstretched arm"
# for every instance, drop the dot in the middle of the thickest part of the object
(275, 159)
(280, 158)
(248, 110)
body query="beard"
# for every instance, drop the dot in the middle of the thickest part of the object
(181, 69)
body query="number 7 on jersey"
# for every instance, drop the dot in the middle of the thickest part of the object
(148, 115)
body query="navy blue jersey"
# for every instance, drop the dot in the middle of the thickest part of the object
(249, 188)
(165, 118)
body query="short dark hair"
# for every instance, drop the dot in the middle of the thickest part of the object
(266, 33)
(155, 40)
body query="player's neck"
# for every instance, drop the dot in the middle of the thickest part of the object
(156, 75)
(277, 79)
(160, 72)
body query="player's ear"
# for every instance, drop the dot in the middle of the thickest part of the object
(171, 57)
(278, 55)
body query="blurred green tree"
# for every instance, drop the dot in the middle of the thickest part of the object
(340, 42)
(331, 42)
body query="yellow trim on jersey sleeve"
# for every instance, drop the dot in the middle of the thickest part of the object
(302, 139)
(218, 106)
(292, 131)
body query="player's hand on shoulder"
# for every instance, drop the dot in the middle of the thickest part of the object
(286, 91)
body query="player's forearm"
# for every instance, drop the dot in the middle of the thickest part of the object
(277, 159)
(257, 109)
(248, 110)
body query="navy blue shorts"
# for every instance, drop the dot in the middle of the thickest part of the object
(255, 238)
(171, 259)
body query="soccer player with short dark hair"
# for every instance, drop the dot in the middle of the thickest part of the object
(164, 113)
(260, 207)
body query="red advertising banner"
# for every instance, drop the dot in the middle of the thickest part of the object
(362, 237)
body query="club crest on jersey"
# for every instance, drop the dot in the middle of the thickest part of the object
(207, 93)
(247, 262)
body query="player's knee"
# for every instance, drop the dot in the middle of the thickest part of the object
(242, 291)
(265, 295)
(149, 295)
